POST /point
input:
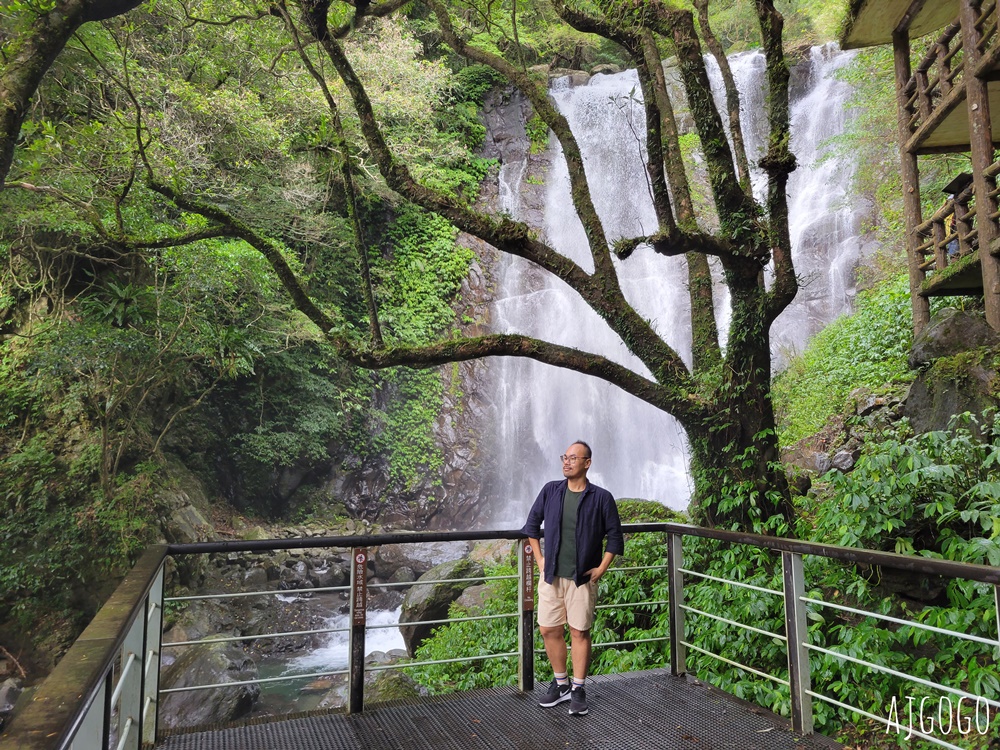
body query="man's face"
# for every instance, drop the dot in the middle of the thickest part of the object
(574, 462)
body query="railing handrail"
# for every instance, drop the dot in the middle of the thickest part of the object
(55, 712)
(912, 563)
(58, 708)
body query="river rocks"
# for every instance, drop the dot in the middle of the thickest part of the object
(10, 691)
(431, 601)
(208, 664)
(418, 557)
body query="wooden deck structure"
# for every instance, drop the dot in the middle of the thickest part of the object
(650, 710)
(946, 91)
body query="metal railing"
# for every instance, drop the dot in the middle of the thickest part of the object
(98, 696)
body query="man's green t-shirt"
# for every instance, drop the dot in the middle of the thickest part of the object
(566, 560)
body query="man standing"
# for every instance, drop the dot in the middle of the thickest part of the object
(577, 517)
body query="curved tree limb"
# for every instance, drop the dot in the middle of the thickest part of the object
(732, 95)
(681, 402)
(779, 162)
(682, 406)
(29, 55)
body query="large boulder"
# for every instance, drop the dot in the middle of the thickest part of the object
(951, 332)
(208, 663)
(430, 601)
(419, 558)
(955, 353)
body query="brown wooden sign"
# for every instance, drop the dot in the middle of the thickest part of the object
(359, 586)
(528, 582)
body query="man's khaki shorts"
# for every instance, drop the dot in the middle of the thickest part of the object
(563, 602)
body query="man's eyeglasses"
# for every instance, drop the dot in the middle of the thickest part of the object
(571, 459)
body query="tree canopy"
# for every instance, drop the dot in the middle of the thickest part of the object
(274, 129)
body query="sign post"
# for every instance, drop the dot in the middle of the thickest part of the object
(526, 617)
(359, 611)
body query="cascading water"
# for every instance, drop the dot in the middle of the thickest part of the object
(640, 451)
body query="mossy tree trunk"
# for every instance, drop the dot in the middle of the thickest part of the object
(33, 45)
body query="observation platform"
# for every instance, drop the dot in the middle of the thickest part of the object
(634, 711)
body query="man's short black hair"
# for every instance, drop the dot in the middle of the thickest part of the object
(586, 447)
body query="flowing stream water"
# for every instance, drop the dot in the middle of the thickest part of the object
(639, 451)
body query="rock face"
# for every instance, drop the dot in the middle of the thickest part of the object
(430, 601)
(954, 352)
(208, 664)
(951, 332)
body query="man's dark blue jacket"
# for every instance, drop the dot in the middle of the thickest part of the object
(596, 518)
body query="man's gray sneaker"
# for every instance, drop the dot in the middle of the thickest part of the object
(578, 702)
(555, 694)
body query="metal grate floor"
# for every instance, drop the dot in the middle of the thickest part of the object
(627, 712)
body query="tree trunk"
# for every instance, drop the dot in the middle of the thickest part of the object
(31, 53)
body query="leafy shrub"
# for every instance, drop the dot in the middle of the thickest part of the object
(867, 349)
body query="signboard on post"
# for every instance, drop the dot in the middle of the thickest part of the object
(526, 617)
(359, 613)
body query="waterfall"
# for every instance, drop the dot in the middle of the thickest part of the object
(639, 451)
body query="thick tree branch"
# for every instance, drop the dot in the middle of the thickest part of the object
(678, 243)
(737, 211)
(681, 405)
(31, 53)
(779, 161)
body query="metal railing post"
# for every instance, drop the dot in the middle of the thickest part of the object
(675, 580)
(94, 728)
(359, 618)
(526, 618)
(129, 691)
(151, 671)
(796, 629)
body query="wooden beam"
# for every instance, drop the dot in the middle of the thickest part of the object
(920, 307)
(903, 27)
(981, 146)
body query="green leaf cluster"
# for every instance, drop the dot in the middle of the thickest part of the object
(868, 348)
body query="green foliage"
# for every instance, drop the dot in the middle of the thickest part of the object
(935, 494)
(475, 638)
(538, 134)
(866, 349)
(418, 275)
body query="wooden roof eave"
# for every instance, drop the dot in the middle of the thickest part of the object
(873, 22)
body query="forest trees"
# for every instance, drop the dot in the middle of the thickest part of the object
(227, 173)
(724, 401)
